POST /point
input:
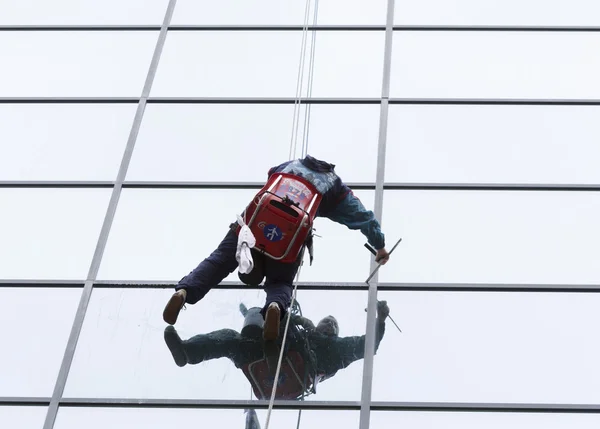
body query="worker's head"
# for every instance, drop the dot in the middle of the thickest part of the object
(328, 326)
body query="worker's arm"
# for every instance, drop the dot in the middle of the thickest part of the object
(351, 212)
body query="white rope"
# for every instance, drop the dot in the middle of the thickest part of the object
(311, 74)
(299, 82)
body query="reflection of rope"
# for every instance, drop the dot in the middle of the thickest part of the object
(287, 324)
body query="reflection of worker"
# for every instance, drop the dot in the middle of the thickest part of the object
(297, 192)
(315, 349)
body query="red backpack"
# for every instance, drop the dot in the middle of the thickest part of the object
(281, 216)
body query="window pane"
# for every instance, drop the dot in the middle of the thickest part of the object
(36, 344)
(101, 418)
(493, 144)
(44, 142)
(164, 234)
(125, 348)
(265, 64)
(81, 12)
(500, 237)
(497, 12)
(68, 64)
(429, 420)
(274, 12)
(50, 233)
(22, 417)
(212, 142)
(489, 347)
(502, 65)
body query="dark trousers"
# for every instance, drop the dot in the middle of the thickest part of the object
(279, 277)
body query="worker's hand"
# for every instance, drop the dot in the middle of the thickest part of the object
(383, 311)
(382, 256)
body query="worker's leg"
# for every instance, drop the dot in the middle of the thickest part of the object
(208, 274)
(279, 287)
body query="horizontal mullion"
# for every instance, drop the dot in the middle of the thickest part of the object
(289, 27)
(23, 401)
(41, 283)
(207, 403)
(299, 27)
(370, 186)
(69, 100)
(289, 100)
(497, 101)
(392, 186)
(349, 286)
(141, 284)
(260, 100)
(82, 27)
(485, 407)
(55, 184)
(331, 405)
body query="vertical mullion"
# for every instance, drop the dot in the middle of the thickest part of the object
(106, 226)
(367, 382)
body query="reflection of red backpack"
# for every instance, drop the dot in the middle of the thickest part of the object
(281, 215)
(292, 377)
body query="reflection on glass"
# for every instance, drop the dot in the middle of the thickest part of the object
(463, 420)
(36, 324)
(86, 12)
(498, 237)
(44, 142)
(124, 350)
(75, 64)
(503, 144)
(49, 233)
(505, 12)
(232, 130)
(144, 418)
(492, 64)
(22, 417)
(313, 352)
(265, 64)
(496, 347)
(275, 12)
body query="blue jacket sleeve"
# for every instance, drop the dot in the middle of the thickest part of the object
(351, 212)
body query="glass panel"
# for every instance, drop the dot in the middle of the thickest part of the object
(50, 233)
(164, 234)
(37, 343)
(502, 65)
(69, 64)
(101, 418)
(501, 237)
(82, 12)
(172, 144)
(274, 12)
(44, 142)
(489, 347)
(23, 417)
(493, 144)
(496, 12)
(124, 348)
(435, 420)
(265, 64)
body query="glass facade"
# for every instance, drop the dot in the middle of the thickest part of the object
(132, 133)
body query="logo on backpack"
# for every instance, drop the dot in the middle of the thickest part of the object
(272, 232)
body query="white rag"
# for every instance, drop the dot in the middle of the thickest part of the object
(246, 241)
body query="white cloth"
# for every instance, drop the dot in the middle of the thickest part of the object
(246, 241)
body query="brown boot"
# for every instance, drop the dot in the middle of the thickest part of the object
(271, 326)
(174, 306)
